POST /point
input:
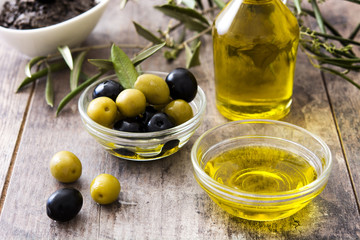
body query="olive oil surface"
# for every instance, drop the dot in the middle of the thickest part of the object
(261, 169)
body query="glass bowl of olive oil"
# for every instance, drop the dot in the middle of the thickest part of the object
(261, 170)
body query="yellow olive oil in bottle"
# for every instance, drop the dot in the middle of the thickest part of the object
(255, 45)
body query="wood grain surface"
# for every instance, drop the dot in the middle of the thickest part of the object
(161, 199)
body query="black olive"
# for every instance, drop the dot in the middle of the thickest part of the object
(108, 88)
(64, 204)
(124, 152)
(129, 125)
(182, 84)
(147, 115)
(158, 122)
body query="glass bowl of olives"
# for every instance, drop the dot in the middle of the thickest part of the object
(147, 125)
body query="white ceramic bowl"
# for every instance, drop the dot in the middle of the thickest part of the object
(44, 41)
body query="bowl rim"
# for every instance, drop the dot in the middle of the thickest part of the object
(235, 194)
(133, 135)
(99, 5)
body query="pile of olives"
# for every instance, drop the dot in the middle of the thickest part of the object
(65, 203)
(153, 104)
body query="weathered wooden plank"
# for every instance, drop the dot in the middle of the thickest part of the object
(12, 108)
(344, 97)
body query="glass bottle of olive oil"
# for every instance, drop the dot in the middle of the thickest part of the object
(255, 45)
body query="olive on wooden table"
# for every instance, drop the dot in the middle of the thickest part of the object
(131, 102)
(65, 167)
(102, 110)
(64, 204)
(179, 111)
(105, 189)
(158, 122)
(182, 84)
(154, 88)
(108, 88)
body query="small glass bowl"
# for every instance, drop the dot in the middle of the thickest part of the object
(142, 146)
(257, 205)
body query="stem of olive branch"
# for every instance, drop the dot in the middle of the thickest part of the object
(182, 45)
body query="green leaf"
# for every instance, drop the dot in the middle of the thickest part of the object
(192, 19)
(31, 63)
(49, 89)
(355, 32)
(318, 16)
(146, 53)
(192, 55)
(66, 54)
(77, 90)
(199, 3)
(123, 66)
(75, 73)
(123, 3)
(41, 73)
(146, 34)
(340, 75)
(220, 3)
(297, 4)
(102, 64)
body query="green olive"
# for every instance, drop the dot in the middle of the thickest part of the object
(154, 88)
(179, 111)
(102, 110)
(131, 102)
(65, 167)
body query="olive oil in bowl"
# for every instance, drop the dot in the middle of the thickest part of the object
(254, 45)
(259, 169)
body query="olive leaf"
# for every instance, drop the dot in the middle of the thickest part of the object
(220, 3)
(318, 15)
(192, 19)
(199, 3)
(123, 3)
(75, 72)
(297, 4)
(146, 34)
(31, 63)
(354, 32)
(192, 55)
(77, 90)
(49, 89)
(41, 73)
(146, 54)
(124, 68)
(102, 64)
(66, 54)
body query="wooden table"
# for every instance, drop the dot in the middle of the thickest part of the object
(160, 199)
